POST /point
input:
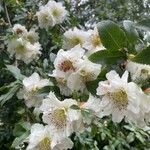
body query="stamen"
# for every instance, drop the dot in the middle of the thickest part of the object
(58, 118)
(66, 66)
(56, 12)
(45, 144)
(120, 98)
(19, 31)
(87, 76)
(95, 40)
(76, 40)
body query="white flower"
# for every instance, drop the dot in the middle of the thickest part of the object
(23, 50)
(74, 37)
(93, 42)
(32, 36)
(19, 29)
(45, 18)
(72, 71)
(65, 64)
(24, 45)
(30, 86)
(87, 71)
(138, 71)
(51, 14)
(66, 60)
(120, 98)
(41, 138)
(59, 116)
(32, 52)
(58, 11)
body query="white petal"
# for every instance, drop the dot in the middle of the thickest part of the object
(75, 82)
(69, 102)
(117, 116)
(103, 87)
(125, 76)
(93, 104)
(34, 78)
(112, 75)
(64, 144)
(50, 103)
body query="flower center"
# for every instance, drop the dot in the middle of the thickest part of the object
(30, 38)
(58, 118)
(45, 144)
(56, 12)
(76, 40)
(34, 88)
(45, 18)
(95, 40)
(145, 73)
(19, 31)
(87, 76)
(20, 48)
(62, 81)
(66, 66)
(120, 98)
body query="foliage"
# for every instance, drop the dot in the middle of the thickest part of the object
(124, 41)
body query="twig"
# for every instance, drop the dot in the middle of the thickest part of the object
(7, 15)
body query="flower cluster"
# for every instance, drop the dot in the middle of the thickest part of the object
(30, 86)
(61, 122)
(89, 40)
(51, 14)
(116, 97)
(24, 44)
(73, 70)
(60, 113)
(122, 99)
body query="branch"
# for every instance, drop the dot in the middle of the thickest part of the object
(7, 15)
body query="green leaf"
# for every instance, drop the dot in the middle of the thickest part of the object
(45, 89)
(22, 131)
(143, 57)
(15, 72)
(21, 128)
(8, 86)
(130, 137)
(20, 139)
(87, 116)
(5, 97)
(112, 36)
(139, 137)
(75, 107)
(107, 57)
(131, 32)
(18, 130)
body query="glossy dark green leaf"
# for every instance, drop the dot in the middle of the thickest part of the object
(112, 36)
(106, 56)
